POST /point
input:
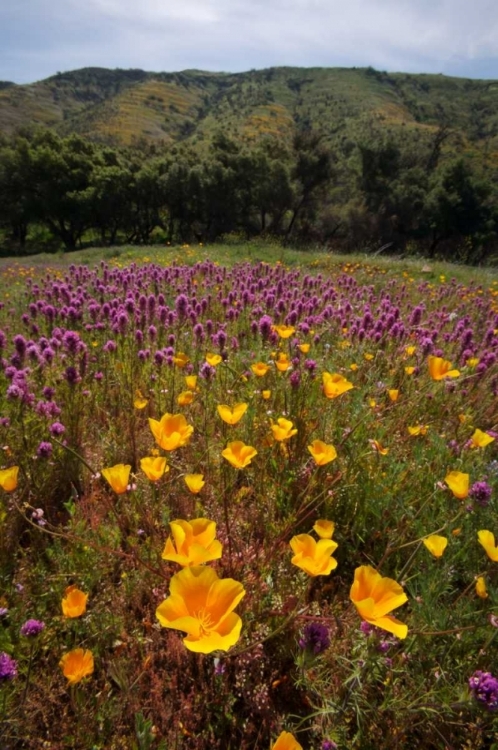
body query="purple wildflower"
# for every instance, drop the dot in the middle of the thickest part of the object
(57, 429)
(44, 450)
(8, 667)
(481, 493)
(484, 688)
(206, 372)
(366, 628)
(71, 375)
(315, 638)
(32, 628)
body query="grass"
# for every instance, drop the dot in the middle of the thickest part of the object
(102, 342)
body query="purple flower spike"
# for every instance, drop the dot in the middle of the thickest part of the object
(8, 667)
(315, 638)
(481, 493)
(32, 628)
(44, 450)
(484, 688)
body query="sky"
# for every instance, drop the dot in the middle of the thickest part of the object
(39, 38)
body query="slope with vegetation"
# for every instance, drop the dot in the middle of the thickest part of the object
(349, 157)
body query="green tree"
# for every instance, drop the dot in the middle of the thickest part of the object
(61, 174)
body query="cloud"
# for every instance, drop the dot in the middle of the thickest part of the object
(38, 37)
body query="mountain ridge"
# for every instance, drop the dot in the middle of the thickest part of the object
(124, 107)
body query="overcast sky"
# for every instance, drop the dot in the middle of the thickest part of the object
(455, 37)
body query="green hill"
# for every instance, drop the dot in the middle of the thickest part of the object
(344, 157)
(124, 107)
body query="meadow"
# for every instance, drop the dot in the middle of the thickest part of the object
(247, 500)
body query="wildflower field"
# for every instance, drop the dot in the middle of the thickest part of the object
(248, 505)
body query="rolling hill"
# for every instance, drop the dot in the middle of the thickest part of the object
(129, 107)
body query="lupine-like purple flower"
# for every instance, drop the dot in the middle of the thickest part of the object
(44, 450)
(206, 372)
(484, 688)
(481, 492)
(366, 628)
(71, 341)
(32, 628)
(71, 375)
(265, 324)
(295, 379)
(315, 638)
(8, 667)
(57, 429)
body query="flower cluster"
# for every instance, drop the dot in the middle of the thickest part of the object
(484, 688)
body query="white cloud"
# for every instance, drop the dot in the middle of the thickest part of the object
(233, 35)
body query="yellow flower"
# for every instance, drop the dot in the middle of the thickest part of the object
(324, 528)
(154, 467)
(480, 439)
(353, 367)
(171, 432)
(260, 369)
(419, 429)
(315, 558)
(375, 596)
(378, 447)
(286, 741)
(334, 385)
(180, 360)
(185, 398)
(409, 370)
(458, 482)
(472, 362)
(76, 665)
(487, 539)
(283, 362)
(283, 430)
(410, 350)
(239, 454)
(232, 415)
(140, 402)
(8, 478)
(194, 542)
(440, 368)
(481, 587)
(213, 359)
(195, 482)
(266, 395)
(74, 602)
(201, 605)
(304, 348)
(436, 544)
(285, 332)
(393, 394)
(368, 356)
(191, 382)
(323, 453)
(118, 477)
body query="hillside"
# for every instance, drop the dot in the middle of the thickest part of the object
(126, 107)
(349, 157)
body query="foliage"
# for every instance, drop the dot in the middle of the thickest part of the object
(398, 162)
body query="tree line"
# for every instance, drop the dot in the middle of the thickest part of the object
(66, 191)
